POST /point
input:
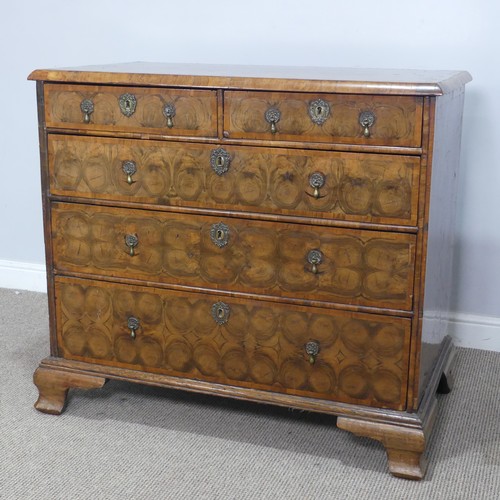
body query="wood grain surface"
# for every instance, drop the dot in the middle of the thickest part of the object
(362, 358)
(287, 78)
(398, 120)
(357, 187)
(197, 275)
(53, 387)
(358, 267)
(195, 110)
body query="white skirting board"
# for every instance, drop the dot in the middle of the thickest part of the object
(478, 332)
(23, 276)
(467, 330)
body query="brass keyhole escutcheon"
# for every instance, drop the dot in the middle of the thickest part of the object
(220, 312)
(127, 103)
(319, 111)
(219, 234)
(220, 160)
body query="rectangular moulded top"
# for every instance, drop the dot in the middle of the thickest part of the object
(292, 78)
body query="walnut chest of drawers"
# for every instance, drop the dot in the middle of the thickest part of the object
(280, 235)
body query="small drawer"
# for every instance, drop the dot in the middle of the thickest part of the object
(162, 111)
(369, 268)
(313, 352)
(332, 185)
(336, 118)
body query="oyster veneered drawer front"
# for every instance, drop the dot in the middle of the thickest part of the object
(336, 118)
(315, 352)
(368, 268)
(161, 111)
(349, 186)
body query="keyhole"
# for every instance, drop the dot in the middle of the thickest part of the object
(220, 161)
(127, 104)
(220, 313)
(220, 236)
(319, 110)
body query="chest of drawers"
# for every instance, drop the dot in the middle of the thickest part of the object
(280, 235)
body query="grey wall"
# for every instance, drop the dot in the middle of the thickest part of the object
(450, 34)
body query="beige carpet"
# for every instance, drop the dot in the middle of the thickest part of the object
(127, 441)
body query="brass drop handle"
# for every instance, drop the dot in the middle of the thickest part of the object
(272, 117)
(220, 160)
(131, 240)
(133, 325)
(315, 257)
(312, 350)
(220, 313)
(366, 120)
(316, 181)
(87, 108)
(169, 113)
(129, 168)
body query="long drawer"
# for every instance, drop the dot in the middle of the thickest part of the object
(349, 186)
(338, 118)
(160, 111)
(314, 352)
(289, 260)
